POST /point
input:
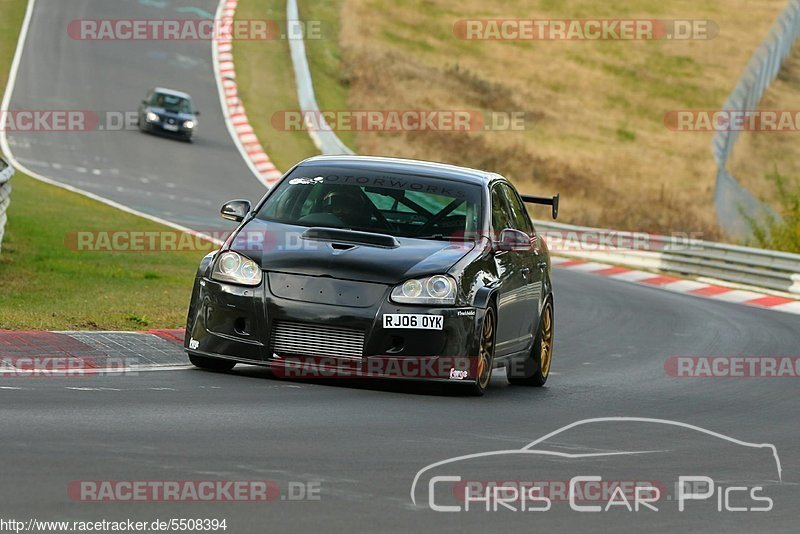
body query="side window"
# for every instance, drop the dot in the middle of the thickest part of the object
(519, 217)
(500, 219)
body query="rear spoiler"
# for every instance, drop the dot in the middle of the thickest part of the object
(547, 201)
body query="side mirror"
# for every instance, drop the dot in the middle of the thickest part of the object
(511, 239)
(144, 102)
(196, 113)
(235, 210)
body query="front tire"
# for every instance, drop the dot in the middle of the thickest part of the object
(212, 364)
(483, 373)
(534, 370)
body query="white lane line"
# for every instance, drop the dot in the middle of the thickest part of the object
(684, 286)
(91, 389)
(632, 276)
(737, 296)
(152, 368)
(12, 74)
(589, 267)
(790, 307)
(110, 371)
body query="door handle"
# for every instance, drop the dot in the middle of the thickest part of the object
(525, 272)
(542, 265)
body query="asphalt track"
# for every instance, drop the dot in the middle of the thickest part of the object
(184, 183)
(364, 442)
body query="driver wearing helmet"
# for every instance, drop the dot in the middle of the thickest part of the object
(348, 205)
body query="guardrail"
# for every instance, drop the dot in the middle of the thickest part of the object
(733, 202)
(6, 171)
(679, 253)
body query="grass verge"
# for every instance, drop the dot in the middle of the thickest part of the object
(266, 85)
(46, 285)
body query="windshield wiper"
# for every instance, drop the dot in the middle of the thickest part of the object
(442, 237)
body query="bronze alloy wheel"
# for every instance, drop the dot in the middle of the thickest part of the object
(533, 370)
(546, 350)
(487, 350)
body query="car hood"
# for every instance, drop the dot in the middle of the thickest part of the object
(301, 250)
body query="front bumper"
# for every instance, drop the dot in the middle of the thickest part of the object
(161, 128)
(270, 326)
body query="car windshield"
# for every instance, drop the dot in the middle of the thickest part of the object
(395, 204)
(173, 103)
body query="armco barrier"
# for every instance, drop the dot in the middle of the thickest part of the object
(755, 267)
(733, 203)
(6, 171)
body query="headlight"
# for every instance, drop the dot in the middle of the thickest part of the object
(152, 117)
(188, 124)
(233, 267)
(437, 289)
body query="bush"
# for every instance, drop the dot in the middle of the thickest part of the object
(780, 232)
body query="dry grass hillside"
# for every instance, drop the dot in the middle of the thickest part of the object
(595, 110)
(760, 153)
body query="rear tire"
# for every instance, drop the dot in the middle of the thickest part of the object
(534, 370)
(212, 364)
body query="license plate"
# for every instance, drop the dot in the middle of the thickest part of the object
(404, 320)
(171, 127)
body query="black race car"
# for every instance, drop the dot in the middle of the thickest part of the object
(361, 266)
(168, 112)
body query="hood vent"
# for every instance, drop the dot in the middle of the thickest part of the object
(351, 236)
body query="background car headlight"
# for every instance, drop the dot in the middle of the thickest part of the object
(188, 124)
(233, 267)
(436, 289)
(152, 117)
